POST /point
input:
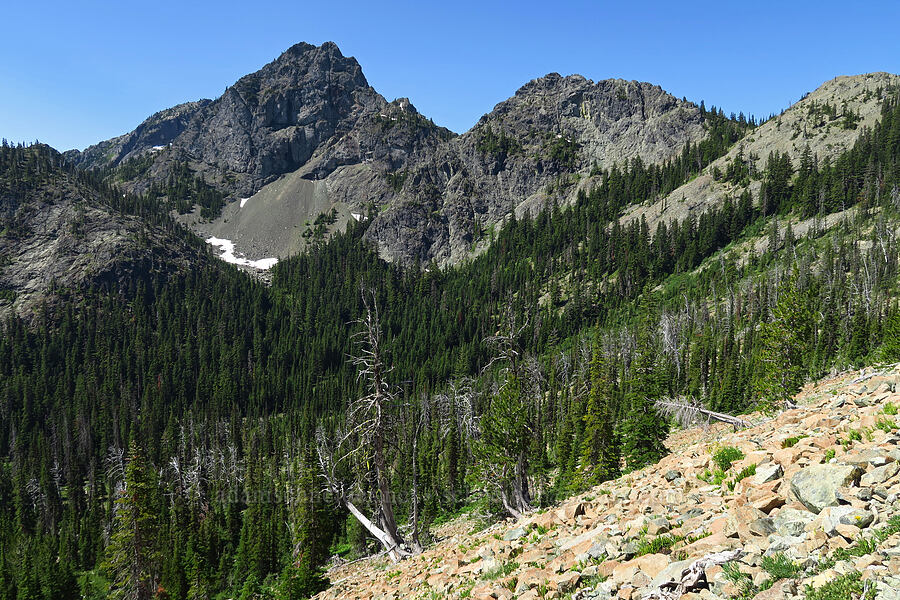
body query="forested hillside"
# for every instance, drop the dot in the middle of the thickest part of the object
(169, 437)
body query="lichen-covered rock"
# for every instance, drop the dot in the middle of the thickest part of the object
(816, 486)
(832, 516)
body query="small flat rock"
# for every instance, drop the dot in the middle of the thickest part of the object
(762, 527)
(514, 534)
(672, 475)
(872, 456)
(786, 544)
(767, 473)
(792, 522)
(768, 503)
(658, 526)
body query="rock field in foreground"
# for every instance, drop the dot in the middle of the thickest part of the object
(824, 500)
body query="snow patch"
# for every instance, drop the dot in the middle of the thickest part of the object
(244, 201)
(356, 216)
(157, 148)
(229, 256)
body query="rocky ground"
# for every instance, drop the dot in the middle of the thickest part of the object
(808, 508)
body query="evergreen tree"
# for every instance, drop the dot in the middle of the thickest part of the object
(599, 452)
(785, 346)
(133, 555)
(643, 429)
(502, 449)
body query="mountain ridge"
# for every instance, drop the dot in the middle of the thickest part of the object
(436, 191)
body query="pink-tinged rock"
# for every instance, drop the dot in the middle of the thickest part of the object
(713, 543)
(787, 456)
(625, 593)
(767, 503)
(607, 568)
(651, 564)
(624, 573)
(566, 582)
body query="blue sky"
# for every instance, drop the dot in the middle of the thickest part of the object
(74, 73)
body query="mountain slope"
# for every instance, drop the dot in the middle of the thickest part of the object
(59, 233)
(816, 122)
(794, 502)
(526, 153)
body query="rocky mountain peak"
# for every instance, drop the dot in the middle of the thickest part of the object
(306, 63)
(311, 113)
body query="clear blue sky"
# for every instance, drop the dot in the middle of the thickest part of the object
(73, 73)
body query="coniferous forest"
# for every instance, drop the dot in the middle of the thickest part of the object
(200, 434)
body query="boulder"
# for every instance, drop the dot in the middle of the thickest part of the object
(514, 534)
(658, 526)
(816, 486)
(791, 522)
(767, 473)
(880, 474)
(672, 475)
(871, 456)
(784, 544)
(832, 516)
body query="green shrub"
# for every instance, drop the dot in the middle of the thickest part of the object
(792, 441)
(845, 587)
(724, 456)
(500, 571)
(779, 566)
(659, 545)
(886, 425)
(890, 409)
(745, 473)
(744, 582)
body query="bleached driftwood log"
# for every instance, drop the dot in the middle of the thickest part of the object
(688, 412)
(693, 578)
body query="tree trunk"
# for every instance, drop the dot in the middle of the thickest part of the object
(415, 544)
(518, 501)
(391, 544)
(386, 509)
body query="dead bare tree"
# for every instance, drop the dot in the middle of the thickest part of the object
(368, 428)
(508, 425)
(687, 412)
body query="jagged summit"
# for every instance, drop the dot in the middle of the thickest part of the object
(310, 124)
(311, 116)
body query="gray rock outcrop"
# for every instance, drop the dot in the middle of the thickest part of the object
(816, 486)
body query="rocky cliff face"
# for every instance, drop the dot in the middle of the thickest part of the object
(267, 124)
(58, 235)
(153, 135)
(312, 113)
(530, 150)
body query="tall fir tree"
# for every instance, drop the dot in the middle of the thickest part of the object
(643, 429)
(600, 448)
(786, 346)
(133, 555)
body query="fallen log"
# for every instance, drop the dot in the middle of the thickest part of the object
(688, 413)
(693, 578)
